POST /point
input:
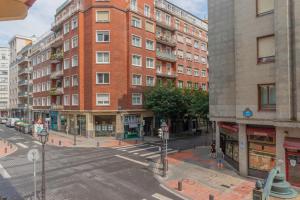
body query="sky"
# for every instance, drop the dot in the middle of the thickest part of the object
(41, 15)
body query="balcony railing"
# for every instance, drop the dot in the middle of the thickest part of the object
(165, 25)
(23, 82)
(166, 75)
(170, 57)
(57, 107)
(57, 41)
(57, 74)
(56, 91)
(23, 105)
(57, 57)
(23, 60)
(23, 71)
(166, 40)
(22, 94)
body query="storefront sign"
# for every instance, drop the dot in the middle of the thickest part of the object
(247, 113)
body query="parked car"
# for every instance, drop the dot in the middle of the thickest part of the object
(8, 122)
(3, 120)
(11, 122)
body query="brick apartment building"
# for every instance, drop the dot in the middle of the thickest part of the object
(92, 70)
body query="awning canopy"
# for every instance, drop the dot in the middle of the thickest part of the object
(261, 131)
(14, 9)
(231, 128)
(292, 143)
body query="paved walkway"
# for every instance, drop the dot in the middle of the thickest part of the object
(6, 148)
(201, 177)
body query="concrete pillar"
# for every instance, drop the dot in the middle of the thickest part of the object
(59, 122)
(119, 125)
(280, 151)
(243, 150)
(217, 136)
(90, 126)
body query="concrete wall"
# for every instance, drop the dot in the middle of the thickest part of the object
(221, 58)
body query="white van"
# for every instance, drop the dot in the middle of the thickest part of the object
(13, 121)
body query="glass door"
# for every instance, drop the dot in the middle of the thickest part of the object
(293, 168)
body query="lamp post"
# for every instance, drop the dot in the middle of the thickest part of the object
(43, 138)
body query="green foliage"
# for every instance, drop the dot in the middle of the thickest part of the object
(170, 102)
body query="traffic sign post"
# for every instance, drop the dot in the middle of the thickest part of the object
(165, 137)
(33, 156)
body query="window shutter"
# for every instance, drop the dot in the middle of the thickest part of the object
(266, 47)
(264, 6)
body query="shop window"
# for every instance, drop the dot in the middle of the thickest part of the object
(266, 49)
(267, 97)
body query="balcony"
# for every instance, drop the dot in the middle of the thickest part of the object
(23, 106)
(166, 75)
(57, 74)
(23, 94)
(23, 60)
(66, 14)
(170, 57)
(57, 107)
(166, 40)
(57, 41)
(56, 57)
(165, 25)
(23, 82)
(56, 91)
(23, 71)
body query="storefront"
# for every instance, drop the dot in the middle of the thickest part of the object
(81, 125)
(261, 150)
(292, 155)
(132, 126)
(54, 120)
(105, 125)
(229, 143)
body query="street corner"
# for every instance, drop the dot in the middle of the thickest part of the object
(120, 143)
(6, 148)
(187, 155)
(60, 141)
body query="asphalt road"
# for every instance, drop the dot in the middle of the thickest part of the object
(81, 173)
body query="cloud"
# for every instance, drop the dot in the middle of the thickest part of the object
(41, 15)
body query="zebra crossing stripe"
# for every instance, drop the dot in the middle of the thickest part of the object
(157, 155)
(4, 173)
(152, 153)
(160, 197)
(22, 145)
(130, 146)
(37, 142)
(142, 149)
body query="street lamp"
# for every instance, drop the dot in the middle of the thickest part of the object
(43, 139)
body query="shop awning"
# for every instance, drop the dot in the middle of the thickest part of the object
(292, 143)
(261, 131)
(232, 128)
(14, 9)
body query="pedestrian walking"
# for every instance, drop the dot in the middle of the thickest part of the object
(213, 150)
(220, 158)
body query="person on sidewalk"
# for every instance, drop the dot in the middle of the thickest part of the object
(220, 158)
(213, 150)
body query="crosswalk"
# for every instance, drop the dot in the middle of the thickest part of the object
(148, 151)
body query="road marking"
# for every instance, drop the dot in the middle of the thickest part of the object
(4, 173)
(136, 153)
(122, 147)
(152, 153)
(173, 192)
(154, 156)
(131, 147)
(37, 142)
(160, 197)
(132, 160)
(22, 145)
(142, 149)
(15, 138)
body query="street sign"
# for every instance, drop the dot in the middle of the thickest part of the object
(33, 155)
(164, 127)
(166, 135)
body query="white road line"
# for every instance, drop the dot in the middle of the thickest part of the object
(142, 149)
(152, 153)
(155, 156)
(136, 153)
(132, 146)
(4, 173)
(160, 197)
(22, 145)
(173, 192)
(132, 160)
(122, 147)
(37, 142)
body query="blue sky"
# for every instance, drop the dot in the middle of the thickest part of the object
(41, 16)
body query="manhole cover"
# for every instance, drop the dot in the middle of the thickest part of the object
(225, 186)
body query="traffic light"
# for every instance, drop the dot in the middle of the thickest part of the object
(160, 133)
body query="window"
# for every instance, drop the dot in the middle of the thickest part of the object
(177, 24)
(189, 71)
(158, 15)
(185, 28)
(196, 72)
(264, 7)
(75, 80)
(103, 57)
(180, 69)
(196, 44)
(203, 47)
(136, 60)
(189, 56)
(188, 41)
(75, 61)
(66, 28)
(102, 78)
(189, 85)
(66, 100)
(136, 22)
(180, 84)
(136, 79)
(136, 41)
(150, 81)
(48, 101)
(102, 99)
(180, 38)
(180, 53)
(266, 49)
(137, 99)
(203, 60)
(102, 36)
(147, 11)
(74, 22)
(102, 16)
(150, 45)
(196, 86)
(203, 73)
(203, 87)
(67, 45)
(75, 99)
(66, 63)
(149, 27)
(150, 63)
(66, 81)
(48, 85)
(74, 41)
(44, 101)
(196, 58)
(267, 97)
(168, 20)
(133, 5)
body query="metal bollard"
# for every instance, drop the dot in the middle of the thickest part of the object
(52, 141)
(59, 143)
(180, 185)
(119, 142)
(11, 146)
(136, 141)
(98, 144)
(211, 197)
(5, 150)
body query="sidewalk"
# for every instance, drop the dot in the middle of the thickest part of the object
(6, 148)
(201, 177)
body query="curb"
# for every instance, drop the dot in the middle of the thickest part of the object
(15, 149)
